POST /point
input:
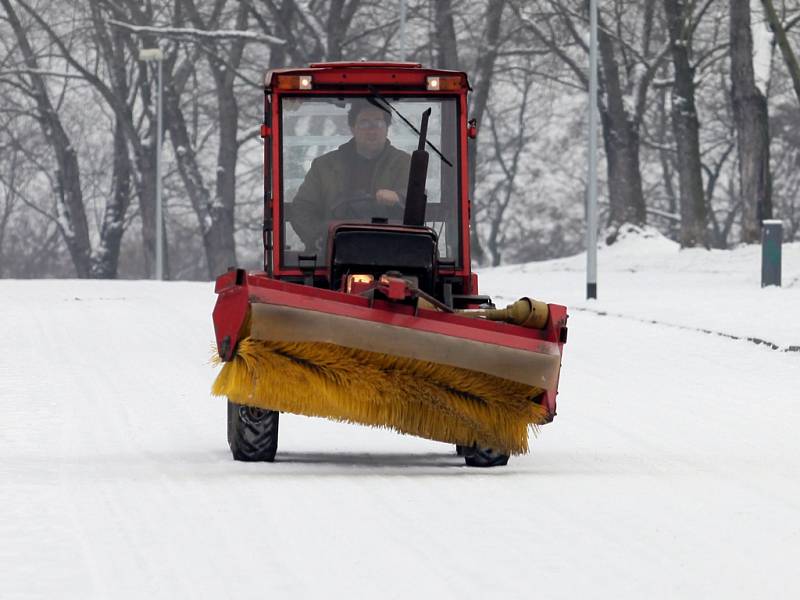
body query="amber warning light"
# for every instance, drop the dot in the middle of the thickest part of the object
(443, 84)
(294, 82)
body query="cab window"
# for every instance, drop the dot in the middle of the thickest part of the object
(347, 159)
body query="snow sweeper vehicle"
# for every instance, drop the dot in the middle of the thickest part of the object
(367, 310)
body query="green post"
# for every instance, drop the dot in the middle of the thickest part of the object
(771, 240)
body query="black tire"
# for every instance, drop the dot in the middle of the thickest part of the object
(483, 457)
(252, 433)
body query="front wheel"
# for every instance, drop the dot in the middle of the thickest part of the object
(482, 457)
(252, 433)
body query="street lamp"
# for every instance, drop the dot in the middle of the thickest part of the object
(591, 200)
(147, 55)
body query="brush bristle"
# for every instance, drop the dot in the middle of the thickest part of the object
(425, 399)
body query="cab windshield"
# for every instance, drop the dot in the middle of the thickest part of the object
(347, 159)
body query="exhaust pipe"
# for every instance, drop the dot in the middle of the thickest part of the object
(416, 199)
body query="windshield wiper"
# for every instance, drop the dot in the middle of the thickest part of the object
(373, 101)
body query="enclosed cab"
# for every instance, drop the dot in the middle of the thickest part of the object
(309, 238)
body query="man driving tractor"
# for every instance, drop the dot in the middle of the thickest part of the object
(365, 177)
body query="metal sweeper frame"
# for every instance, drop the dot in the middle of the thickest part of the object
(370, 313)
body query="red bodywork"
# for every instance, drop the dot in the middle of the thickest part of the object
(237, 289)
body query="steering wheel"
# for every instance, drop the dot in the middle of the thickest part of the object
(365, 206)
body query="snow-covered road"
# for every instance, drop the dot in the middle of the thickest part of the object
(672, 470)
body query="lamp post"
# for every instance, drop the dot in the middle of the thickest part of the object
(147, 55)
(591, 200)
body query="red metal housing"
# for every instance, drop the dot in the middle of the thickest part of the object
(355, 78)
(239, 290)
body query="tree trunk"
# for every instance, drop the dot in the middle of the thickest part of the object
(484, 70)
(667, 159)
(106, 257)
(335, 30)
(621, 142)
(220, 238)
(8, 207)
(789, 56)
(685, 127)
(216, 217)
(445, 33)
(192, 177)
(114, 47)
(303, 44)
(279, 55)
(752, 127)
(72, 220)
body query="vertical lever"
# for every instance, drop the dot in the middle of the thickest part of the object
(416, 199)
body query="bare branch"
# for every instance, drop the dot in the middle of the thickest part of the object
(193, 34)
(42, 72)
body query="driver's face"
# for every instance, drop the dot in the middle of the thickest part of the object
(369, 131)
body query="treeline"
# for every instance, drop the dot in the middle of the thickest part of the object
(699, 105)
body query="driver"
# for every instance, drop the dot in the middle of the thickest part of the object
(367, 169)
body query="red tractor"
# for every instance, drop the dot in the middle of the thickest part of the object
(368, 310)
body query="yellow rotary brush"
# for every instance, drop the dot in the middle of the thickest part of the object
(421, 398)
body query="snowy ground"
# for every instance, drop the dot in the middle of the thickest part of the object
(672, 470)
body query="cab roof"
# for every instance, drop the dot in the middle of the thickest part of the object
(346, 74)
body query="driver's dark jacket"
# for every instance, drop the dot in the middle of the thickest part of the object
(328, 182)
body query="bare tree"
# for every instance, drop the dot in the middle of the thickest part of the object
(30, 242)
(486, 60)
(7, 207)
(116, 92)
(710, 56)
(112, 45)
(670, 120)
(445, 36)
(215, 216)
(752, 126)
(666, 154)
(215, 209)
(629, 62)
(72, 212)
(789, 57)
(507, 153)
(312, 34)
(785, 146)
(685, 125)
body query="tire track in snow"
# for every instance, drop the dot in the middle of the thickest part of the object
(754, 340)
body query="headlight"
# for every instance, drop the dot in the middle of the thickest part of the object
(358, 280)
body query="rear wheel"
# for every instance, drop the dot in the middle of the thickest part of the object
(252, 433)
(482, 457)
